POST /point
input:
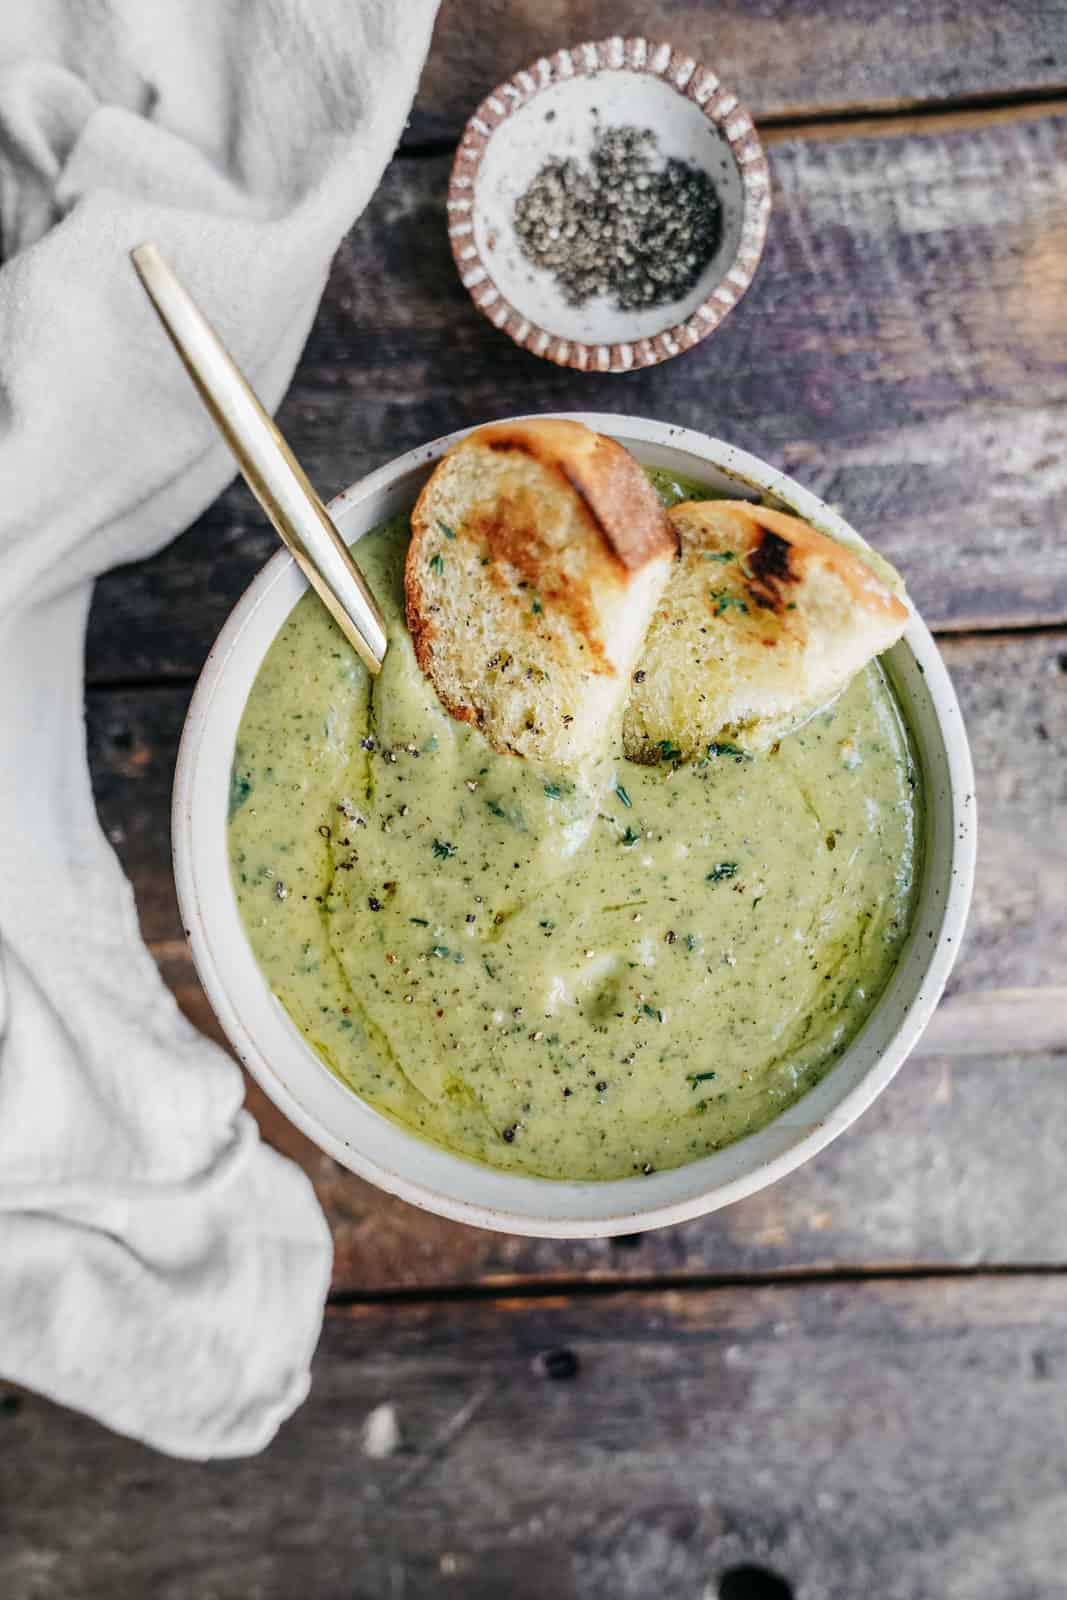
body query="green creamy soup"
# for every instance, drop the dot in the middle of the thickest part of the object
(579, 975)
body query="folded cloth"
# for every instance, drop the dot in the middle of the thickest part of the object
(159, 1267)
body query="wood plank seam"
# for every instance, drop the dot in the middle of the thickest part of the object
(878, 119)
(1023, 102)
(506, 1293)
(961, 118)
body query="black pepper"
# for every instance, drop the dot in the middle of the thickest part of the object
(621, 226)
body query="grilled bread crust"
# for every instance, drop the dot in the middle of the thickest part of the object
(538, 554)
(764, 621)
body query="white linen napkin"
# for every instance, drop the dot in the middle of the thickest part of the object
(159, 1267)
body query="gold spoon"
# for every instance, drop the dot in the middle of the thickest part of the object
(268, 465)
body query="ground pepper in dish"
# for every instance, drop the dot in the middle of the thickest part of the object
(623, 226)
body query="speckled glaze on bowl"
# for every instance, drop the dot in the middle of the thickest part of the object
(555, 108)
(386, 1154)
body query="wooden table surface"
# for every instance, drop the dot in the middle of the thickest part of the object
(857, 1380)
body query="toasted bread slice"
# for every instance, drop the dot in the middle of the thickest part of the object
(765, 620)
(538, 554)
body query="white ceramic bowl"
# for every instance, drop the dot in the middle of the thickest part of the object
(557, 108)
(358, 1136)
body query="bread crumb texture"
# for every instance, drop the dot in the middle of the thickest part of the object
(539, 552)
(764, 621)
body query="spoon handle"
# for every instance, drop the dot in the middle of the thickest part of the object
(269, 467)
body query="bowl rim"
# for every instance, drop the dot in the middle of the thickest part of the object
(939, 955)
(692, 79)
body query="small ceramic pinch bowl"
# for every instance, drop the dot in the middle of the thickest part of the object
(557, 108)
(384, 1153)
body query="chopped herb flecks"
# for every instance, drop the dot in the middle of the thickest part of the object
(653, 1011)
(667, 750)
(630, 837)
(240, 789)
(443, 953)
(727, 749)
(719, 555)
(700, 1077)
(449, 533)
(721, 871)
(420, 922)
(437, 563)
(724, 601)
(514, 816)
(442, 849)
(537, 608)
(553, 791)
(623, 796)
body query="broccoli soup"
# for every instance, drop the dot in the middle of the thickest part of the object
(585, 974)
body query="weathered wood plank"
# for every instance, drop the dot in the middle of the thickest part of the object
(961, 1160)
(815, 57)
(894, 1439)
(902, 352)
